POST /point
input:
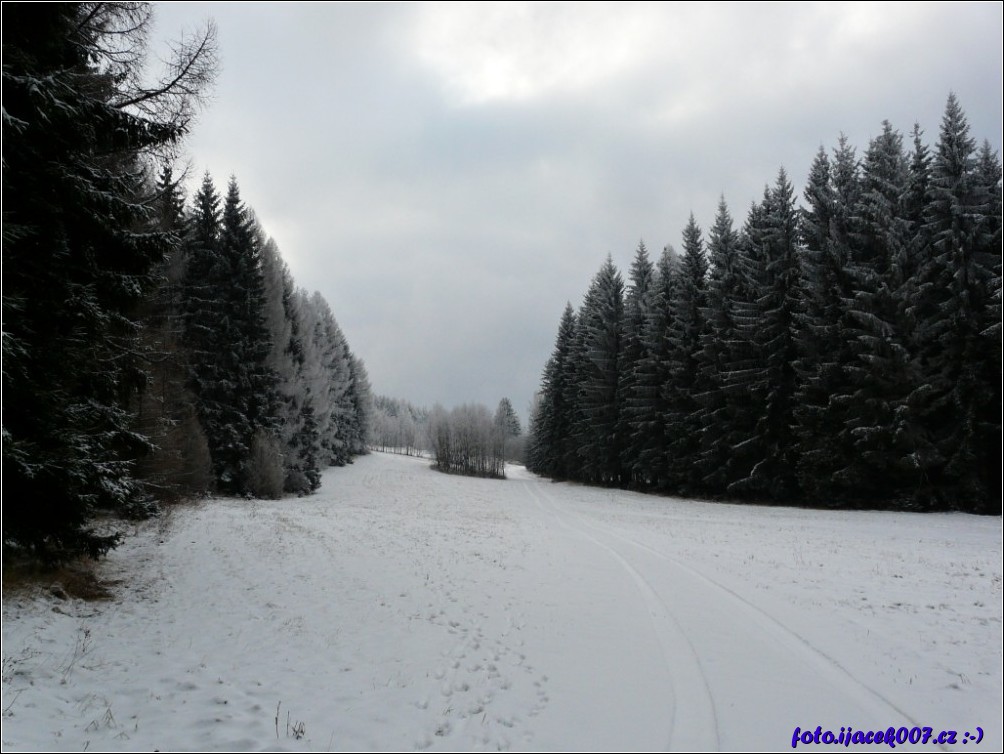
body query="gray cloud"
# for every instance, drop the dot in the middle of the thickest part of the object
(448, 177)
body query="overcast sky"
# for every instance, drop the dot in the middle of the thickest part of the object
(448, 176)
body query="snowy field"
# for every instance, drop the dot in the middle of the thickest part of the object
(400, 608)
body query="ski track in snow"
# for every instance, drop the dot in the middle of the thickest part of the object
(694, 725)
(400, 608)
(758, 628)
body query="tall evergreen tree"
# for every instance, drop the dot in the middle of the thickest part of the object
(552, 422)
(988, 260)
(204, 311)
(989, 253)
(240, 247)
(717, 355)
(637, 313)
(574, 371)
(601, 324)
(165, 409)
(954, 338)
(743, 379)
(506, 419)
(919, 469)
(651, 407)
(823, 349)
(208, 336)
(771, 446)
(686, 381)
(80, 241)
(227, 336)
(880, 425)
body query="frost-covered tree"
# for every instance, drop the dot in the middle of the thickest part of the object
(333, 389)
(398, 426)
(466, 441)
(336, 383)
(297, 432)
(361, 407)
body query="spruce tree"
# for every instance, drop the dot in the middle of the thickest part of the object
(743, 378)
(650, 408)
(574, 371)
(240, 246)
(203, 309)
(823, 348)
(716, 358)
(637, 313)
(165, 409)
(771, 381)
(686, 381)
(208, 336)
(988, 258)
(989, 254)
(552, 421)
(598, 444)
(507, 420)
(955, 337)
(229, 343)
(80, 242)
(879, 424)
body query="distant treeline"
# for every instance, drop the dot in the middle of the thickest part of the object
(466, 440)
(843, 354)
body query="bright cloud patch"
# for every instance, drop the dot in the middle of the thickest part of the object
(519, 52)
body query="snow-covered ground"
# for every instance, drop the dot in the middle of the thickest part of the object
(400, 608)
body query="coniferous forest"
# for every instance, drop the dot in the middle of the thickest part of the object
(843, 351)
(155, 345)
(753, 502)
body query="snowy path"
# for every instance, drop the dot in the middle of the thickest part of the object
(723, 653)
(405, 609)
